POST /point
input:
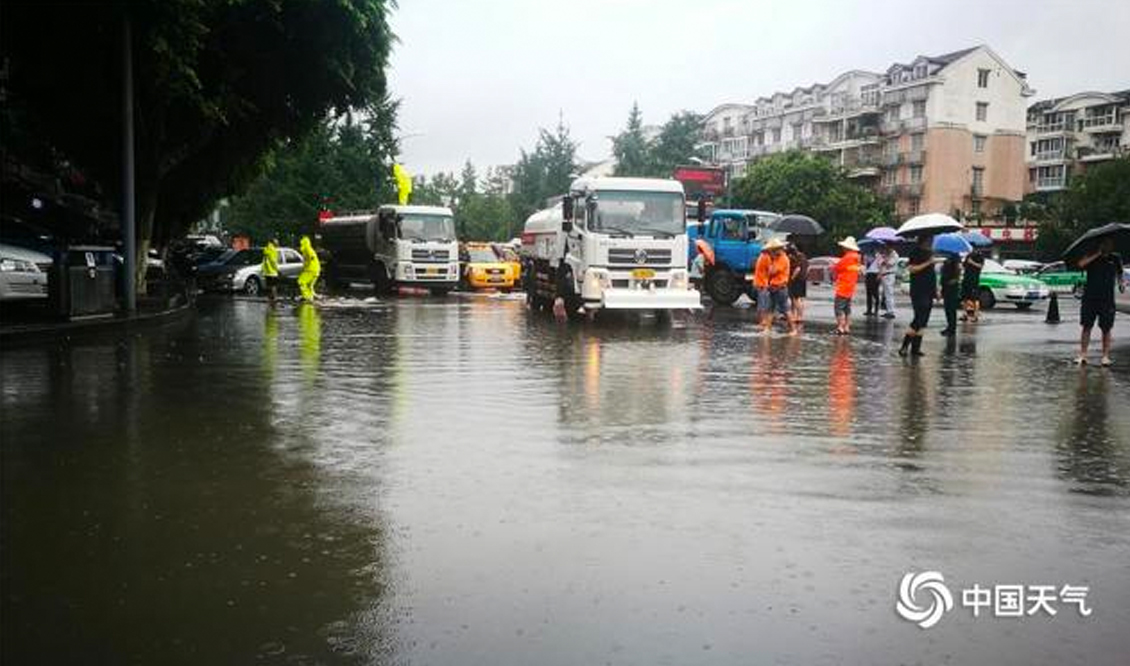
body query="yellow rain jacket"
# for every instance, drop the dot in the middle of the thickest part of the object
(311, 269)
(270, 261)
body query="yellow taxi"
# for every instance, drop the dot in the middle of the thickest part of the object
(484, 269)
(510, 256)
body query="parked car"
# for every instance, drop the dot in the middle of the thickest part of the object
(23, 273)
(820, 269)
(482, 268)
(1062, 278)
(239, 270)
(1000, 285)
(1022, 266)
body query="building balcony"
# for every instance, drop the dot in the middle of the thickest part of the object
(862, 171)
(1050, 156)
(1052, 128)
(1050, 184)
(976, 191)
(890, 159)
(890, 126)
(917, 93)
(915, 189)
(1100, 124)
(915, 123)
(912, 157)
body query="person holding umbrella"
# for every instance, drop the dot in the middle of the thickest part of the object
(798, 282)
(1103, 268)
(971, 285)
(951, 292)
(888, 273)
(846, 274)
(923, 284)
(871, 282)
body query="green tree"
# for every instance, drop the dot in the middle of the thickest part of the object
(1098, 196)
(343, 164)
(676, 144)
(799, 182)
(468, 181)
(217, 86)
(630, 147)
(545, 172)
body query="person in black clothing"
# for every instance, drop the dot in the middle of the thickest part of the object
(923, 286)
(971, 285)
(798, 282)
(951, 292)
(871, 282)
(1104, 268)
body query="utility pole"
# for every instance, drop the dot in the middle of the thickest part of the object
(128, 223)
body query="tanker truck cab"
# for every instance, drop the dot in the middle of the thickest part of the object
(400, 246)
(613, 244)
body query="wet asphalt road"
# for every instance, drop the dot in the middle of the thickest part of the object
(459, 481)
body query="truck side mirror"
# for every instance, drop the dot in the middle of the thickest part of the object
(567, 208)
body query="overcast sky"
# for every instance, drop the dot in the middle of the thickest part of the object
(477, 78)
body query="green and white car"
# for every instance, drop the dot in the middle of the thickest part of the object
(1000, 285)
(1062, 278)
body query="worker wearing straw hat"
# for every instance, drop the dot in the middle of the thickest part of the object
(846, 274)
(771, 278)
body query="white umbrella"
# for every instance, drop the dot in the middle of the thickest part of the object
(930, 223)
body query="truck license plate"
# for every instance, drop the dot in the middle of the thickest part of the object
(432, 271)
(643, 274)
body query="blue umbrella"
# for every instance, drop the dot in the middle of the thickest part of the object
(977, 239)
(951, 244)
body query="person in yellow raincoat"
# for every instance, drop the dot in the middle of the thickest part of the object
(311, 269)
(270, 269)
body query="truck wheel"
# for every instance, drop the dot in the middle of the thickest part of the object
(723, 286)
(988, 300)
(252, 287)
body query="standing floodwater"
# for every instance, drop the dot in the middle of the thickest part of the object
(461, 482)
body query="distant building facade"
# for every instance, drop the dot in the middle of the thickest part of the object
(1068, 135)
(937, 134)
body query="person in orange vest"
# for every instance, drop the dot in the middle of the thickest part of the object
(771, 279)
(846, 274)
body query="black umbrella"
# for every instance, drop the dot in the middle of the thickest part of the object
(801, 225)
(1089, 242)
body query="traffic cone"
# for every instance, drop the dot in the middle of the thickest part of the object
(1053, 311)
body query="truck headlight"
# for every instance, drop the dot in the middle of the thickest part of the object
(678, 279)
(598, 278)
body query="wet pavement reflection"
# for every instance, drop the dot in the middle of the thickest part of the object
(458, 481)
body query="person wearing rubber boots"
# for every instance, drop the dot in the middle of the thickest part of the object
(311, 269)
(923, 286)
(270, 269)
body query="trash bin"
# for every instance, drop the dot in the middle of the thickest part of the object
(82, 282)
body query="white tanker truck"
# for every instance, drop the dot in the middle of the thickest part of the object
(610, 243)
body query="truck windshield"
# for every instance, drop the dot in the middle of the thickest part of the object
(481, 255)
(639, 213)
(427, 228)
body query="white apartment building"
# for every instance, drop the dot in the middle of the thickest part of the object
(938, 134)
(1068, 135)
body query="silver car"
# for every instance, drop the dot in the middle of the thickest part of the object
(23, 273)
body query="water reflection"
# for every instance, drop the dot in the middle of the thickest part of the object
(841, 387)
(1091, 454)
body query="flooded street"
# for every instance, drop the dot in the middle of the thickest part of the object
(459, 481)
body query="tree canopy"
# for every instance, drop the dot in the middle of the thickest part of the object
(1098, 196)
(675, 144)
(217, 84)
(800, 182)
(545, 172)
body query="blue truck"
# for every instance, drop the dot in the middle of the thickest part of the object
(736, 237)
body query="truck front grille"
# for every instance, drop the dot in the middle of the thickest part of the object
(434, 256)
(628, 257)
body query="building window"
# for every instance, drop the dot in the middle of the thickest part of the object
(978, 181)
(917, 142)
(915, 175)
(982, 78)
(975, 207)
(915, 206)
(889, 177)
(979, 143)
(982, 111)
(777, 135)
(920, 108)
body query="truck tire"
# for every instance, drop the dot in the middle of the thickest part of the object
(723, 286)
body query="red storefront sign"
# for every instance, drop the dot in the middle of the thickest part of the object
(698, 180)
